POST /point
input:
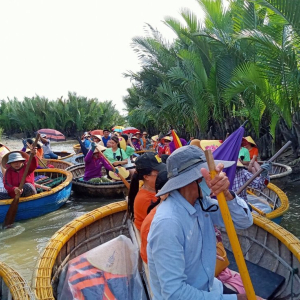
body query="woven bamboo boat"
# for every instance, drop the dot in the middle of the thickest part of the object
(103, 190)
(58, 164)
(12, 285)
(76, 159)
(264, 243)
(63, 154)
(77, 148)
(277, 200)
(43, 202)
(278, 170)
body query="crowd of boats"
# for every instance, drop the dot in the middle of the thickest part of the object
(266, 245)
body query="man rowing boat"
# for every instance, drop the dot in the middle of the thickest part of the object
(181, 242)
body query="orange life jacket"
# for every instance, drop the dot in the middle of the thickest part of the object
(88, 282)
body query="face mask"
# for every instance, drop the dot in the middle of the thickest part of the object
(204, 188)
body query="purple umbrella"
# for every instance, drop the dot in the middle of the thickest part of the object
(229, 150)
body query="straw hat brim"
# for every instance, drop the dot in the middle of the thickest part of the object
(5, 157)
(117, 256)
(97, 136)
(123, 172)
(250, 140)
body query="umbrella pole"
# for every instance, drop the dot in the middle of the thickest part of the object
(236, 247)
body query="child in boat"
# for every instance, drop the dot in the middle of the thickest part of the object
(94, 162)
(15, 163)
(147, 166)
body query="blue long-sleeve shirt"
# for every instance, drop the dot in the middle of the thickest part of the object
(182, 248)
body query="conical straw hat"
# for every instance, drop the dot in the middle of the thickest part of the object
(250, 140)
(123, 172)
(117, 256)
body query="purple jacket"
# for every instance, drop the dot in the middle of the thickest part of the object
(172, 146)
(93, 166)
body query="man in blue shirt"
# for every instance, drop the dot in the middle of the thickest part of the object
(182, 242)
(105, 137)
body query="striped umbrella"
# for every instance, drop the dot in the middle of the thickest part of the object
(118, 128)
(129, 130)
(52, 134)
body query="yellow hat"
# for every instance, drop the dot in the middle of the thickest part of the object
(239, 164)
(250, 140)
(210, 144)
(167, 138)
(122, 143)
(123, 172)
(154, 138)
(196, 142)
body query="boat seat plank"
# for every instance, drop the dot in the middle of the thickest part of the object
(265, 282)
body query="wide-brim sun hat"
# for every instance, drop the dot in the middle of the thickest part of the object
(250, 140)
(184, 166)
(122, 171)
(167, 138)
(99, 146)
(14, 156)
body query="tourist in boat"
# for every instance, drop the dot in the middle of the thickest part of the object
(159, 143)
(165, 146)
(15, 163)
(242, 176)
(182, 242)
(244, 154)
(86, 140)
(115, 154)
(97, 139)
(39, 150)
(140, 138)
(105, 137)
(94, 162)
(135, 143)
(147, 168)
(249, 144)
(48, 153)
(146, 140)
(161, 179)
(129, 149)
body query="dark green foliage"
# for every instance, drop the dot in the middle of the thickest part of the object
(70, 116)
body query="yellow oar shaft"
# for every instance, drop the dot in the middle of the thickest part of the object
(233, 239)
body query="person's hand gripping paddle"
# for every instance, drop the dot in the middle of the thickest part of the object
(236, 247)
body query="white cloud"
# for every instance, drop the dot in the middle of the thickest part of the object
(50, 47)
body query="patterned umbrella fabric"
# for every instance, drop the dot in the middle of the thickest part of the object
(52, 134)
(129, 130)
(97, 132)
(229, 150)
(118, 128)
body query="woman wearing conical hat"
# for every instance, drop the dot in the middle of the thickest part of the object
(249, 144)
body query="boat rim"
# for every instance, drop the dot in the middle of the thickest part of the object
(62, 185)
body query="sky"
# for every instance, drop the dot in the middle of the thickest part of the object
(50, 47)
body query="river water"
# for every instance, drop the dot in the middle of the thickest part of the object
(21, 246)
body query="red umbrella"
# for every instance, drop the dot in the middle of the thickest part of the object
(132, 130)
(52, 134)
(97, 132)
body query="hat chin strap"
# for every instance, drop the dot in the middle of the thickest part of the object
(211, 208)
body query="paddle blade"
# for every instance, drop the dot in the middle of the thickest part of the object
(11, 213)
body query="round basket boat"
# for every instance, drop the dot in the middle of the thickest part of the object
(278, 170)
(76, 159)
(276, 198)
(12, 285)
(265, 244)
(77, 148)
(43, 202)
(63, 154)
(58, 164)
(104, 189)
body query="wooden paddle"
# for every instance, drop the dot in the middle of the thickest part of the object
(236, 247)
(280, 151)
(127, 184)
(13, 208)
